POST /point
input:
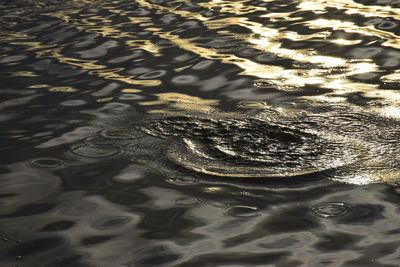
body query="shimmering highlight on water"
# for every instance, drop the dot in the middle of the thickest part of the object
(135, 122)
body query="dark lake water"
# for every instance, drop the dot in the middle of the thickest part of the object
(199, 133)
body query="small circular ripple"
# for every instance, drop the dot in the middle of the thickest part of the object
(153, 74)
(94, 150)
(243, 211)
(249, 147)
(188, 201)
(264, 84)
(249, 51)
(387, 25)
(47, 163)
(183, 180)
(116, 134)
(184, 79)
(330, 209)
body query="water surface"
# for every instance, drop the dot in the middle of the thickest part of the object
(199, 133)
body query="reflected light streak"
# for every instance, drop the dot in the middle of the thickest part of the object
(64, 89)
(236, 7)
(345, 86)
(345, 42)
(352, 7)
(171, 10)
(364, 179)
(86, 25)
(268, 42)
(23, 74)
(391, 39)
(360, 68)
(283, 77)
(130, 90)
(178, 101)
(213, 189)
(391, 78)
(106, 99)
(390, 112)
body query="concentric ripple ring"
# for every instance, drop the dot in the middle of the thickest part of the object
(250, 147)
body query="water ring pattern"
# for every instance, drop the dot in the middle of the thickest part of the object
(248, 147)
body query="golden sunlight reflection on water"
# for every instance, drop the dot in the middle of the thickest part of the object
(211, 133)
(278, 54)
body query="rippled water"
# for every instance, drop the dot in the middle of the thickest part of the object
(199, 133)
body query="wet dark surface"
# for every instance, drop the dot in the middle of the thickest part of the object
(199, 133)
